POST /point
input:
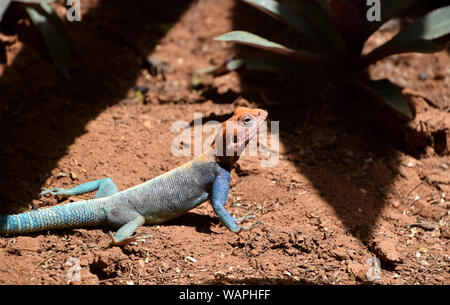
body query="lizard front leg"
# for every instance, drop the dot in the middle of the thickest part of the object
(221, 187)
(104, 187)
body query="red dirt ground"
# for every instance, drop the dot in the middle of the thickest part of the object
(342, 192)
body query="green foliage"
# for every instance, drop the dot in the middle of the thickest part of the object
(339, 28)
(262, 43)
(387, 92)
(50, 26)
(274, 65)
(416, 37)
(4, 4)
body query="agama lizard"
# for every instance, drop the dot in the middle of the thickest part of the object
(158, 200)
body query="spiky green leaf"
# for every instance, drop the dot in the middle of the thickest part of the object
(266, 64)
(256, 41)
(416, 36)
(389, 9)
(55, 39)
(388, 93)
(327, 34)
(286, 15)
(4, 4)
(431, 26)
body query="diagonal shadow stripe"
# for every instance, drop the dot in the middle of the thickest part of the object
(321, 132)
(36, 127)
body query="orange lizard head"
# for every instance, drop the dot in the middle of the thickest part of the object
(237, 131)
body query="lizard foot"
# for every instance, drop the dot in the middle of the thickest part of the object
(256, 223)
(54, 191)
(246, 217)
(133, 240)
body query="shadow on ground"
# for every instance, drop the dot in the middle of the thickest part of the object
(323, 136)
(30, 133)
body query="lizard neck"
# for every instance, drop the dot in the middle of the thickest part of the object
(211, 155)
(218, 153)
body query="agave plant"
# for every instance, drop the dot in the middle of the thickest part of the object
(50, 26)
(338, 29)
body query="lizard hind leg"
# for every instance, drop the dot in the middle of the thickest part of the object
(128, 220)
(104, 187)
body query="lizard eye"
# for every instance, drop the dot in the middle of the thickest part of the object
(247, 120)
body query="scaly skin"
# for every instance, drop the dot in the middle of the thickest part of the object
(155, 201)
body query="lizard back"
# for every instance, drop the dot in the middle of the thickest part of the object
(171, 194)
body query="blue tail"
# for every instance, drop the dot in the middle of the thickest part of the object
(89, 212)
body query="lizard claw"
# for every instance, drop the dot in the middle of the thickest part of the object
(54, 191)
(143, 238)
(256, 223)
(246, 217)
(133, 240)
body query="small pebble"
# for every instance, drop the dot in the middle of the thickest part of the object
(395, 203)
(191, 259)
(423, 76)
(141, 89)
(60, 175)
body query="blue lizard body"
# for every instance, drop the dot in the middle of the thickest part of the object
(173, 193)
(155, 201)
